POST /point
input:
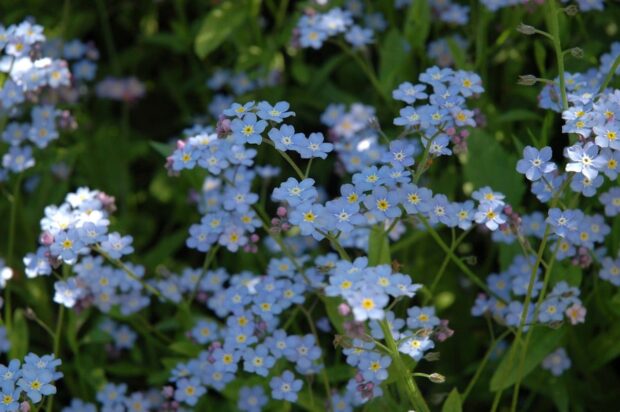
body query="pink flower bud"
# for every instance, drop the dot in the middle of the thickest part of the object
(344, 309)
(281, 212)
(46, 238)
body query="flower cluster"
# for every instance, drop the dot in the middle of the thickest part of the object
(71, 233)
(511, 286)
(29, 382)
(31, 76)
(315, 28)
(124, 89)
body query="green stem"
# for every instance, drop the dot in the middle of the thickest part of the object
(458, 262)
(610, 75)
(405, 381)
(482, 365)
(515, 393)
(455, 243)
(104, 20)
(367, 69)
(286, 157)
(129, 272)
(10, 250)
(205, 266)
(324, 376)
(551, 17)
(307, 173)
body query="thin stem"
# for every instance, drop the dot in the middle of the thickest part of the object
(610, 75)
(541, 296)
(551, 16)
(367, 69)
(205, 266)
(482, 365)
(286, 157)
(455, 243)
(324, 376)
(129, 272)
(406, 381)
(458, 262)
(308, 169)
(10, 249)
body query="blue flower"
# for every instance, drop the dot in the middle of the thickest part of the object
(415, 346)
(36, 382)
(307, 217)
(283, 137)
(400, 153)
(415, 199)
(189, 391)
(251, 399)
(536, 163)
(490, 214)
(248, 129)
(238, 110)
(9, 396)
(358, 36)
(303, 351)
(117, 246)
(312, 146)
(422, 317)
(587, 187)
(409, 93)
(258, 360)
(563, 222)
(18, 159)
(409, 117)
(584, 159)
(557, 362)
(67, 245)
(342, 215)
(276, 113)
(374, 367)
(294, 192)
(611, 201)
(607, 136)
(383, 204)
(285, 386)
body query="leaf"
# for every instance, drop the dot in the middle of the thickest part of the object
(331, 307)
(453, 403)
(568, 273)
(418, 25)
(378, 247)
(392, 58)
(458, 54)
(603, 348)
(540, 55)
(542, 342)
(18, 335)
(489, 164)
(162, 148)
(186, 348)
(217, 26)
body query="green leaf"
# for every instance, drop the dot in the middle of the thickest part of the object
(392, 60)
(542, 342)
(418, 25)
(378, 247)
(458, 54)
(489, 164)
(453, 403)
(568, 273)
(331, 307)
(217, 26)
(604, 348)
(186, 348)
(18, 335)
(163, 149)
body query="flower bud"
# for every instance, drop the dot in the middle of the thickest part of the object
(527, 80)
(436, 378)
(344, 309)
(281, 212)
(576, 52)
(571, 10)
(526, 29)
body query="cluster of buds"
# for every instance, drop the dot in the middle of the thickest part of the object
(583, 259)
(280, 223)
(459, 139)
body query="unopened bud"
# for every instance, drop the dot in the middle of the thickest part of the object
(571, 10)
(432, 356)
(436, 378)
(526, 29)
(344, 309)
(527, 80)
(576, 52)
